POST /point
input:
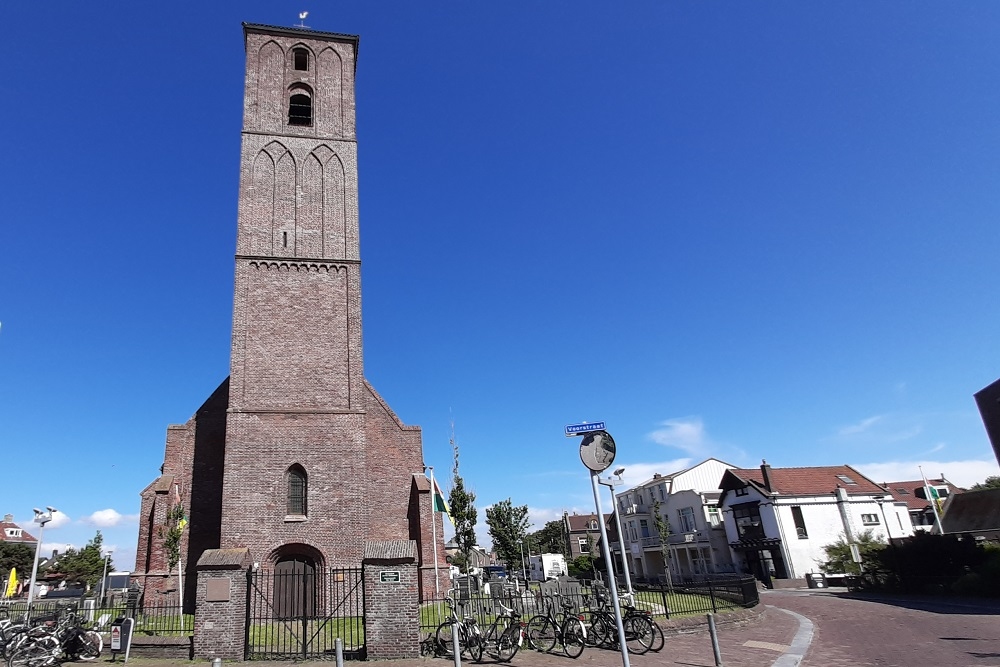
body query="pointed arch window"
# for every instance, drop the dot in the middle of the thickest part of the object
(298, 488)
(300, 106)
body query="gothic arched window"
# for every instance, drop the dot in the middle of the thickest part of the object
(298, 487)
(300, 106)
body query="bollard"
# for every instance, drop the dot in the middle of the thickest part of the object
(456, 642)
(338, 644)
(216, 662)
(715, 640)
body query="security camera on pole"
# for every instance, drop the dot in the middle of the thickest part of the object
(597, 451)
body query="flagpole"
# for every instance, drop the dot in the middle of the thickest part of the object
(933, 500)
(434, 538)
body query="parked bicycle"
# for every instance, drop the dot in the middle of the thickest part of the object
(469, 633)
(641, 632)
(53, 642)
(503, 638)
(567, 628)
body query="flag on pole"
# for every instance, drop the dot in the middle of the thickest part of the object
(183, 521)
(11, 584)
(440, 504)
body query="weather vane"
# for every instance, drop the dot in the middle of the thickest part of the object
(302, 19)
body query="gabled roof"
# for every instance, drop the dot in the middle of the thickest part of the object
(578, 522)
(906, 492)
(25, 537)
(806, 481)
(657, 478)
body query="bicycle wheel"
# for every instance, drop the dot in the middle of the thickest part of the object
(574, 637)
(603, 631)
(638, 633)
(30, 655)
(507, 642)
(658, 639)
(477, 641)
(444, 639)
(541, 633)
(91, 644)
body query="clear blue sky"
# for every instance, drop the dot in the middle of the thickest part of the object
(742, 230)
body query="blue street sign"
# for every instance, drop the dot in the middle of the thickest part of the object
(585, 427)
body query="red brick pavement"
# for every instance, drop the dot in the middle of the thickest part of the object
(848, 630)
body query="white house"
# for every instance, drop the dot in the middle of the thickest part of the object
(778, 520)
(687, 500)
(542, 567)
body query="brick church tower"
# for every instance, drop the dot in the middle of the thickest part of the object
(295, 456)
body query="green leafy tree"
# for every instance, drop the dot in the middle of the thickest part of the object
(992, 482)
(840, 561)
(86, 565)
(16, 554)
(663, 530)
(581, 567)
(508, 525)
(551, 539)
(463, 511)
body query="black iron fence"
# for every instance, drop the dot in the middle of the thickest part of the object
(686, 598)
(157, 619)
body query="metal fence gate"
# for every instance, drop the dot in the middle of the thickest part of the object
(295, 613)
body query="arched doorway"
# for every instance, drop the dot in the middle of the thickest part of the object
(296, 587)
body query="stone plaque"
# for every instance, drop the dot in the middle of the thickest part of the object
(217, 590)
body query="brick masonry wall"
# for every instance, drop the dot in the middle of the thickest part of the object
(392, 611)
(220, 626)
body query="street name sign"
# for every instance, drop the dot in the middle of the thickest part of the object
(583, 428)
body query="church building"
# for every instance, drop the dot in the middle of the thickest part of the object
(294, 456)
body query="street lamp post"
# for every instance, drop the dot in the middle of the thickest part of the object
(41, 518)
(104, 579)
(611, 484)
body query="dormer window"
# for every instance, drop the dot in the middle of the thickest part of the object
(300, 60)
(300, 106)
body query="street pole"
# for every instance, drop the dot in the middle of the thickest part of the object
(41, 518)
(612, 586)
(610, 483)
(524, 569)
(104, 579)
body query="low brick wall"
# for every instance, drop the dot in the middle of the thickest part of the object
(167, 648)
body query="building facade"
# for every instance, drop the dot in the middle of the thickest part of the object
(295, 456)
(778, 520)
(687, 504)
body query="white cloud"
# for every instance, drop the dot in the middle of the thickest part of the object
(108, 518)
(861, 426)
(686, 434)
(960, 473)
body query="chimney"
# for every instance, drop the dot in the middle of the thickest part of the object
(765, 470)
(8, 518)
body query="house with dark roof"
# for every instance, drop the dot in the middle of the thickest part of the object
(584, 533)
(914, 494)
(13, 533)
(778, 520)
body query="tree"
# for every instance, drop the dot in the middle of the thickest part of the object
(840, 560)
(463, 510)
(992, 482)
(663, 530)
(84, 566)
(508, 526)
(16, 554)
(551, 539)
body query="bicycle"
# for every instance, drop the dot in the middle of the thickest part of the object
(641, 633)
(544, 630)
(469, 633)
(503, 638)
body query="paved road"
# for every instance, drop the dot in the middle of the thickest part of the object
(888, 632)
(801, 629)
